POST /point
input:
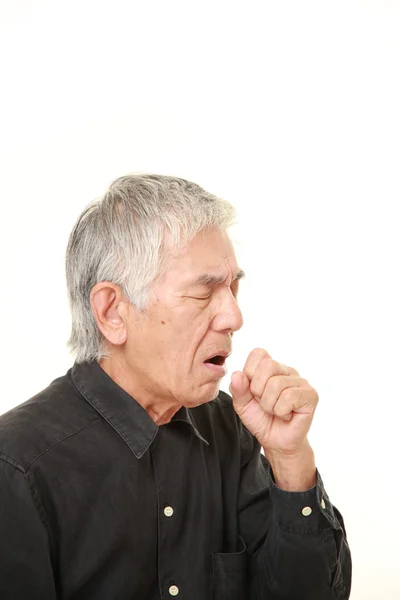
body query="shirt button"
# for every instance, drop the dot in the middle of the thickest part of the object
(173, 590)
(323, 504)
(307, 510)
(168, 511)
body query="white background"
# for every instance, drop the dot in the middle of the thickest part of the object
(288, 109)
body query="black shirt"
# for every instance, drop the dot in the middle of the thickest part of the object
(99, 503)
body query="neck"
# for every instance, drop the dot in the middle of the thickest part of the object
(161, 409)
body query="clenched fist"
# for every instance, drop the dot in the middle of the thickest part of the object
(274, 403)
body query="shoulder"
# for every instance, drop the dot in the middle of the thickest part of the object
(30, 429)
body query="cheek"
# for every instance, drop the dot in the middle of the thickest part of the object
(181, 333)
(196, 337)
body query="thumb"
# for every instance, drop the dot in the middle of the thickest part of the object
(240, 389)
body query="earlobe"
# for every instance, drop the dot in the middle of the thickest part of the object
(107, 301)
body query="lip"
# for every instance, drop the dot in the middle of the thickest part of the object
(220, 370)
(223, 353)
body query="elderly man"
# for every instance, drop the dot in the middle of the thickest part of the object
(132, 477)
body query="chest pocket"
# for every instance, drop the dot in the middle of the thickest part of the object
(230, 575)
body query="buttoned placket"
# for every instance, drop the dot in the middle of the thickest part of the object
(170, 583)
(166, 514)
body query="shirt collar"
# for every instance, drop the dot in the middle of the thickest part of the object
(129, 419)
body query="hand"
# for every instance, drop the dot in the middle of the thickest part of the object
(274, 403)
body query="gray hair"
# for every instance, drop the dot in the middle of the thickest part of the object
(124, 238)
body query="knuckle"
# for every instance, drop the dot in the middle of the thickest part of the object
(249, 371)
(281, 369)
(289, 395)
(274, 385)
(257, 354)
(281, 409)
(267, 364)
(261, 351)
(311, 392)
(253, 362)
(256, 387)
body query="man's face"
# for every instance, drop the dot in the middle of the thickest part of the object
(191, 317)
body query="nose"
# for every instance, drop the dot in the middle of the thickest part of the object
(229, 316)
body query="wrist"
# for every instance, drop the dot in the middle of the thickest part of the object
(293, 471)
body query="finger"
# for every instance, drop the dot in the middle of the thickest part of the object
(260, 357)
(266, 369)
(275, 386)
(253, 360)
(301, 400)
(240, 389)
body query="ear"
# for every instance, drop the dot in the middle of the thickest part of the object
(109, 309)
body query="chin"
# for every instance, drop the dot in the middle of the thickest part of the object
(206, 396)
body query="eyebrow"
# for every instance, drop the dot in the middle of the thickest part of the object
(208, 279)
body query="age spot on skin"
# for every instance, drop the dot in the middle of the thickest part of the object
(163, 322)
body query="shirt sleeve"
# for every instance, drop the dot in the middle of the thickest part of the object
(25, 563)
(296, 541)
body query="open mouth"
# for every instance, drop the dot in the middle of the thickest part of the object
(217, 365)
(216, 360)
